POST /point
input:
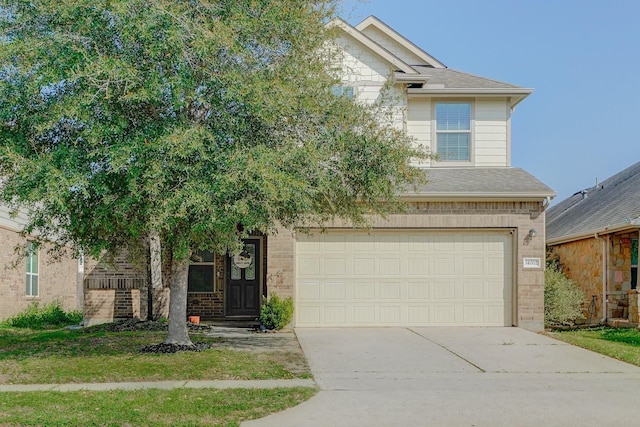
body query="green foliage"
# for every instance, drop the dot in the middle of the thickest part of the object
(562, 298)
(44, 317)
(276, 313)
(622, 344)
(187, 118)
(151, 407)
(127, 118)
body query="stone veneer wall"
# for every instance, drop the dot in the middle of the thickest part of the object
(57, 281)
(518, 216)
(581, 261)
(634, 306)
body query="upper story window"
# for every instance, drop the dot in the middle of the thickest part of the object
(202, 272)
(32, 270)
(453, 131)
(343, 91)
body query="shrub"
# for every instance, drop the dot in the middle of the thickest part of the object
(276, 313)
(562, 298)
(43, 317)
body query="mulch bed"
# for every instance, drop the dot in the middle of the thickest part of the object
(133, 325)
(174, 348)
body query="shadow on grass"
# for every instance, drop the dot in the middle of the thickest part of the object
(23, 343)
(626, 336)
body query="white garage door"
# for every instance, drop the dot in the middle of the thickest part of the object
(404, 278)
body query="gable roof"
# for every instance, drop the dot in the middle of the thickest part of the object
(429, 76)
(400, 41)
(372, 45)
(612, 205)
(475, 183)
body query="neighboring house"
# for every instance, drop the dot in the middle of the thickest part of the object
(593, 235)
(35, 278)
(470, 250)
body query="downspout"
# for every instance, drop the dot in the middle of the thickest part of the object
(605, 248)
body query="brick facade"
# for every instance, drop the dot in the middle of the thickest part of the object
(520, 217)
(57, 280)
(111, 294)
(114, 292)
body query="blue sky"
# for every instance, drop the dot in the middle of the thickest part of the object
(582, 57)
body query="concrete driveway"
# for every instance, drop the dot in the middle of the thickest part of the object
(459, 377)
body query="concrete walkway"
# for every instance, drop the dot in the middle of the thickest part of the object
(219, 384)
(458, 377)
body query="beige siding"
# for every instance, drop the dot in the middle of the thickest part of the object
(8, 221)
(368, 73)
(419, 123)
(392, 46)
(490, 133)
(490, 129)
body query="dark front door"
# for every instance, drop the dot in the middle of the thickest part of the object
(243, 281)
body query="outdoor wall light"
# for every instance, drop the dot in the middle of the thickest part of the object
(533, 233)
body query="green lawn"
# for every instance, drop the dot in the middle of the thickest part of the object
(97, 355)
(621, 344)
(64, 356)
(178, 407)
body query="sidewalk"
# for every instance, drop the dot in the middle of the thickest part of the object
(166, 385)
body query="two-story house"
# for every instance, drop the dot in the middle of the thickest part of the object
(470, 249)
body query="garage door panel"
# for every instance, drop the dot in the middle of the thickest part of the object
(418, 266)
(364, 266)
(497, 267)
(418, 291)
(473, 266)
(336, 315)
(474, 290)
(496, 291)
(335, 267)
(364, 315)
(473, 314)
(444, 266)
(444, 290)
(389, 266)
(364, 291)
(389, 290)
(403, 278)
(309, 291)
(308, 315)
(390, 315)
(419, 315)
(444, 315)
(335, 243)
(308, 267)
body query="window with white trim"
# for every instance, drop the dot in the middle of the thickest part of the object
(32, 270)
(347, 91)
(202, 272)
(453, 131)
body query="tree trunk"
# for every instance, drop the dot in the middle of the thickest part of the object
(155, 263)
(178, 333)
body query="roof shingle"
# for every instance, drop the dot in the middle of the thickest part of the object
(614, 202)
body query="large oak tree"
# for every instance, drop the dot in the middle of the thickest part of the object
(182, 119)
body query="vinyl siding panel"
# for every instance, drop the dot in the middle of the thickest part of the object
(491, 133)
(419, 123)
(393, 46)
